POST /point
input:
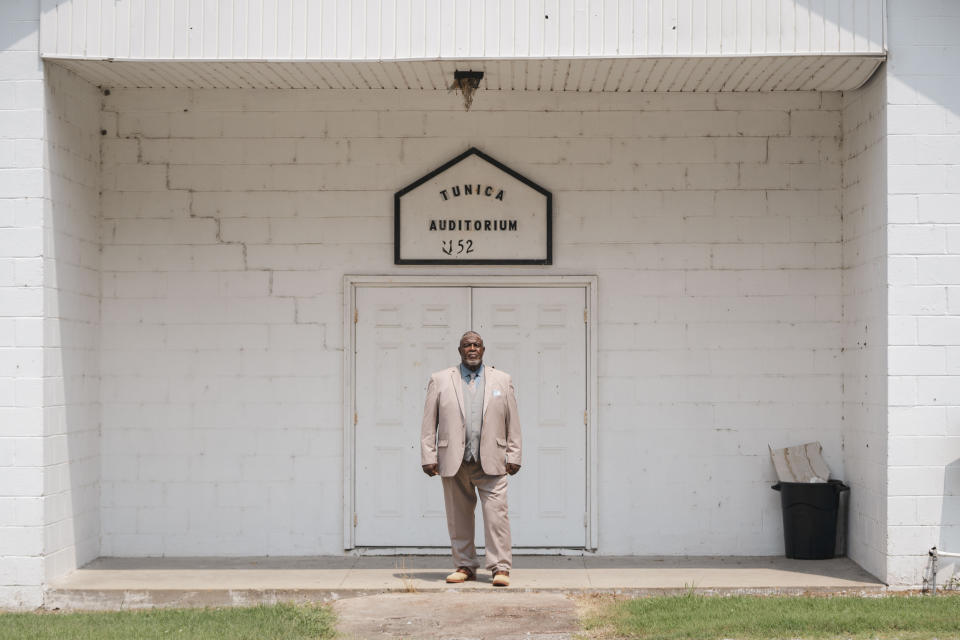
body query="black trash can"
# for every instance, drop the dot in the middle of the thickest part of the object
(810, 518)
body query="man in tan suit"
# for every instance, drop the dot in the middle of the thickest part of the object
(470, 436)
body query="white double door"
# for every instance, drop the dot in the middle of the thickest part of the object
(403, 334)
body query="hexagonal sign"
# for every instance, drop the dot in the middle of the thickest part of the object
(473, 210)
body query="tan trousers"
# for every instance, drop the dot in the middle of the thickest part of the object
(460, 499)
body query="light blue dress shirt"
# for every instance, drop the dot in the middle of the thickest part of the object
(472, 410)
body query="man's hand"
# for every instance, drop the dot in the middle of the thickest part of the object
(430, 469)
(512, 468)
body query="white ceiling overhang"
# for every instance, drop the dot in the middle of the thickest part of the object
(601, 74)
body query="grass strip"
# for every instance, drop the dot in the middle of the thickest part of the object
(755, 617)
(262, 622)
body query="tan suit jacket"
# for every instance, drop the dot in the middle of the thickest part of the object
(443, 432)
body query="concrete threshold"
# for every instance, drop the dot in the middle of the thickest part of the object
(129, 583)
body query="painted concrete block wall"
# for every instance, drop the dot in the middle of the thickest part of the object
(923, 114)
(21, 307)
(71, 281)
(229, 217)
(865, 321)
(49, 306)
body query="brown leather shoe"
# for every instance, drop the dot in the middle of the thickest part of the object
(501, 578)
(462, 574)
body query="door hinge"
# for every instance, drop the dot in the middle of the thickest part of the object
(356, 316)
(356, 418)
(585, 315)
(355, 520)
(586, 519)
(585, 418)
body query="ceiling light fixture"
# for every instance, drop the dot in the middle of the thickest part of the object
(467, 82)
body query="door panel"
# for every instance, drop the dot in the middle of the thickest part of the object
(402, 336)
(538, 336)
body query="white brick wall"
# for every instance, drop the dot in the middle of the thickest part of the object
(229, 218)
(49, 313)
(21, 308)
(71, 279)
(924, 283)
(865, 322)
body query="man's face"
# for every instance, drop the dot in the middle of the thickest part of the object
(471, 350)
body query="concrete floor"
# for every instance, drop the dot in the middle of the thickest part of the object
(115, 583)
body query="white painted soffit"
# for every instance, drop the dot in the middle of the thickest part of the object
(673, 74)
